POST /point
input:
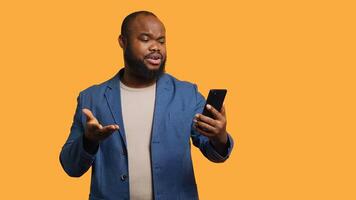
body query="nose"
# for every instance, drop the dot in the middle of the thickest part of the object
(154, 47)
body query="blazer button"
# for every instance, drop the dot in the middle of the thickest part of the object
(123, 177)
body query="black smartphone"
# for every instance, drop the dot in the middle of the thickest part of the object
(216, 99)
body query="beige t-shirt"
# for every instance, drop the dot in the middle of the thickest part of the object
(137, 110)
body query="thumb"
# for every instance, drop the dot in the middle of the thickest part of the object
(88, 114)
(109, 129)
(223, 110)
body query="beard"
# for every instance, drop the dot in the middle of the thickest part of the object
(139, 69)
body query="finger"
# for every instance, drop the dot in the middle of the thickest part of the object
(88, 114)
(94, 125)
(203, 132)
(223, 111)
(205, 126)
(205, 119)
(109, 129)
(215, 113)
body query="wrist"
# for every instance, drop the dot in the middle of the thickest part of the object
(90, 146)
(89, 137)
(220, 139)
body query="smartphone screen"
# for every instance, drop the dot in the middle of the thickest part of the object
(216, 99)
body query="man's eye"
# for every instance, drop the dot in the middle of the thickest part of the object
(162, 41)
(144, 39)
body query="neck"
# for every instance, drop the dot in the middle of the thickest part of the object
(130, 80)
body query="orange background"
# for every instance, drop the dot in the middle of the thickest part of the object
(289, 67)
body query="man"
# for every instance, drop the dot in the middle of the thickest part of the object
(134, 130)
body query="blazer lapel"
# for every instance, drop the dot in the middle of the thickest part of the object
(163, 94)
(113, 98)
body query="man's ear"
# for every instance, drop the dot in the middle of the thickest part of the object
(122, 42)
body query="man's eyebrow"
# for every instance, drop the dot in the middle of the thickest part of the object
(151, 36)
(145, 34)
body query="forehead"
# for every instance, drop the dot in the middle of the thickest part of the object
(147, 24)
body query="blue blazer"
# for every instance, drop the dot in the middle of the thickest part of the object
(176, 104)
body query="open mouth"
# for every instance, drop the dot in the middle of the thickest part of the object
(154, 59)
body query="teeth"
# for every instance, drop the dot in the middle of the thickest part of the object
(154, 57)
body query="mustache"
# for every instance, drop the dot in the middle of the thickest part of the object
(154, 55)
(140, 69)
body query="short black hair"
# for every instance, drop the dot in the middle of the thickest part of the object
(129, 18)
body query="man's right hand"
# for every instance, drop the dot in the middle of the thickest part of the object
(94, 131)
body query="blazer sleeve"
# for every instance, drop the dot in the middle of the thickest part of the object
(73, 157)
(201, 141)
